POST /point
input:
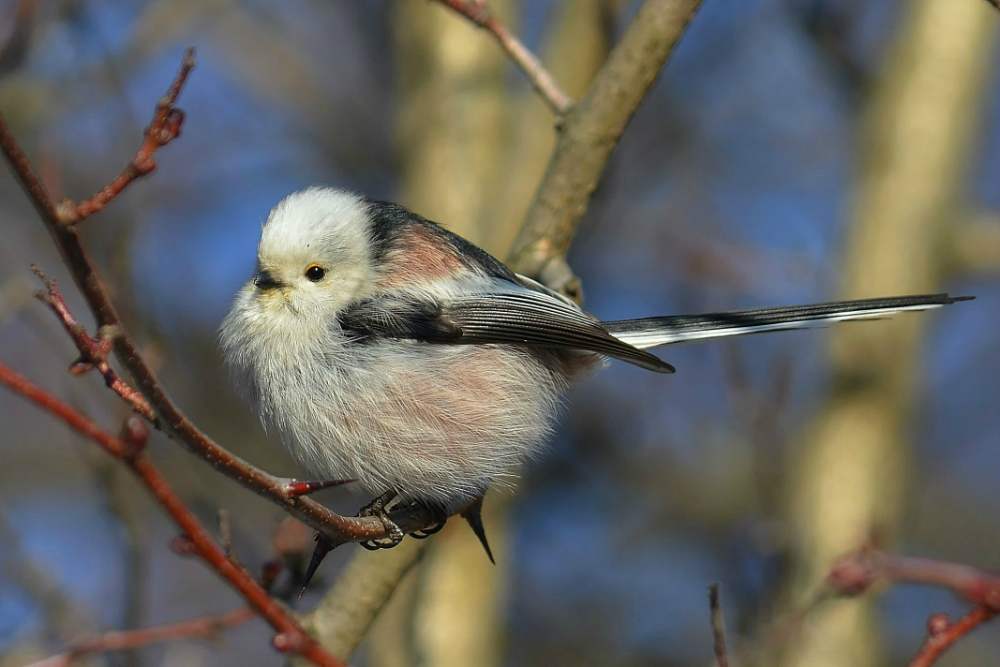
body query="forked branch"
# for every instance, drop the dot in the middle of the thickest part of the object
(130, 450)
(164, 128)
(335, 528)
(858, 572)
(479, 12)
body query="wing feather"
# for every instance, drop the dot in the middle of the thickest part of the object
(505, 313)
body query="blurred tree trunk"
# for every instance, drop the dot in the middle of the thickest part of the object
(452, 120)
(852, 471)
(472, 155)
(451, 131)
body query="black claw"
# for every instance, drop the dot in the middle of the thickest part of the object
(424, 533)
(440, 519)
(473, 514)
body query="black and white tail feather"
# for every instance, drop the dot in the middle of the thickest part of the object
(648, 332)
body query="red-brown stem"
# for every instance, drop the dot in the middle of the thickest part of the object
(93, 351)
(856, 572)
(290, 635)
(337, 529)
(203, 626)
(479, 12)
(941, 640)
(164, 128)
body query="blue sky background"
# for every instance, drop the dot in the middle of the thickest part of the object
(731, 189)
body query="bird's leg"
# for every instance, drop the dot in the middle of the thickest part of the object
(376, 508)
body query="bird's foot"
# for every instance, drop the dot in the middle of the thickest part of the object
(440, 519)
(377, 508)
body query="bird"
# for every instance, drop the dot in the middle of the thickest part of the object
(382, 348)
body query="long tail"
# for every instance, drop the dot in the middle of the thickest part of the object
(654, 331)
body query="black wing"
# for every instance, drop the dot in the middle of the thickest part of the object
(518, 316)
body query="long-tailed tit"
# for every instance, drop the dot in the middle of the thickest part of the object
(385, 349)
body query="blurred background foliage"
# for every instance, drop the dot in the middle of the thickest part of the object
(793, 151)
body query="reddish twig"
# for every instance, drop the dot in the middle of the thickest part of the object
(857, 572)
(164, 128)
(941, 634)
(479, 12)
(93, 351)
(335, 528)
(718, 627)
(204, 626)
(130, 450)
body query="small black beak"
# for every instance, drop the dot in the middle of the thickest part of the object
(264, 281)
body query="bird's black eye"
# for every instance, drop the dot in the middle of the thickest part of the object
(315, 272)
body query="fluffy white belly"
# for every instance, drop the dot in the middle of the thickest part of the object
(434, 423)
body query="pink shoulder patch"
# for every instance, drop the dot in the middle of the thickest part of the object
(422, 256)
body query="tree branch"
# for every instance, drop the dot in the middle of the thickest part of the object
(856, 573)
(342, 618)
(589, 136)
(336, 529)
(941, 634)
(479, 12)
(164, 128)
(129, 449)
(93, 351)
(718, 627)
(204, 626)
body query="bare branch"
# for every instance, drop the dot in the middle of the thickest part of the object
(93, 351)
(164, 128)
(204, 626)
(857, 572)
(479, 12)
(592, 131)
(129, 449)
(718, 627)
(942, 634)
(336, 529)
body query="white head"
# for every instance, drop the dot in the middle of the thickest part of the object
(315, 253)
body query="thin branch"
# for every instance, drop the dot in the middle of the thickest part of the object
(204, 626)
(129, 449)
(93, 351)
(941, 634)
(718, 627)
(164, 128)
(479, 12)
(857, 572)
(590, 135)
(336, 529)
